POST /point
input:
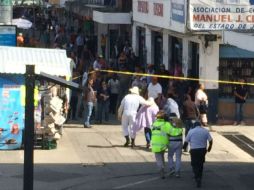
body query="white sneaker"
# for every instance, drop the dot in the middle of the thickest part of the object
(177, 174)
(242, 123)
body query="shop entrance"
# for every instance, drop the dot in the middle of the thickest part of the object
(141, 46)
(158, 50)
(113, 35)
(193, 70)
(176, 56)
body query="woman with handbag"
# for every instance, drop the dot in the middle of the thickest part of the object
(201, 101)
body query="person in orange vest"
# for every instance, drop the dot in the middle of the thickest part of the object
(20, 40)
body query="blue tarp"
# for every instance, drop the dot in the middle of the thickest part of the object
(11, 111)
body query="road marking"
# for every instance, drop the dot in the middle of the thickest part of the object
(136, 183)
(248, 145)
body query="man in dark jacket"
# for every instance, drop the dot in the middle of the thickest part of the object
(190, 114)
(240, 93)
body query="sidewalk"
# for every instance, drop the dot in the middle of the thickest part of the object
(95, 159)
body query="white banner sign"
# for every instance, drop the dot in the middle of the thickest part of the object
(210, 15)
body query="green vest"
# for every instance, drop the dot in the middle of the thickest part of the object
(161, 130)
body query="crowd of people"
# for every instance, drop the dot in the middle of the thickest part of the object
(159, 106)
(163, 126)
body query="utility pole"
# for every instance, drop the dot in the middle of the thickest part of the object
(28, 176)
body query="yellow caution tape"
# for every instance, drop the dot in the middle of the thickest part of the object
(175, 77)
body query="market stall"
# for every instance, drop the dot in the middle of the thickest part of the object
(49, 115)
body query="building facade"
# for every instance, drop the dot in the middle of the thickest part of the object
(109, 19)
(161, 36)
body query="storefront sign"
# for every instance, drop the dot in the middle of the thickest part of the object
(5, 11)
(11, 112)
(178, 10)
(8, 35)
(143, 6)
(158, 9)
(208, 15)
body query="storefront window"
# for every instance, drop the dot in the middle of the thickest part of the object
(141, 46)
(233, 70)
(177, 51)
(158, 49)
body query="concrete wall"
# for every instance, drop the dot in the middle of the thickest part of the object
(244, 41)
(151, 19)
(112, 18)
(226, 110)
(209, 63)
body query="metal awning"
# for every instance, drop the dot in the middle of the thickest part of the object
(228, 51)
(111, 17)
(13, 60)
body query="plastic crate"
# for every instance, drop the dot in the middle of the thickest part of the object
(49, 144)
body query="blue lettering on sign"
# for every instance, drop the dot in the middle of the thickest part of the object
(200, 26)
(178, 12)
(242, 26)
(222, 26)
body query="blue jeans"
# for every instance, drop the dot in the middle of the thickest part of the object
(88, 108)
(175, 148)
(189, 123)
(103, 110)
(238, 112)
(148, 134)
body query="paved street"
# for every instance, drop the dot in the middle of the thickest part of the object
(95, 159)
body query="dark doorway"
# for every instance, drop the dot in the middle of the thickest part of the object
(194, 71)
(141, 46)
(113, 35)
(176, 56)
(158, 50)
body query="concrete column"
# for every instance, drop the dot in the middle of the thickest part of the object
(169, 52)
(185, 56)
(165, 50)
(134, 39)
(148, 45)
(209, 63)
(208, 69)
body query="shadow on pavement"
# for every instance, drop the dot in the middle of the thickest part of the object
(226, 176)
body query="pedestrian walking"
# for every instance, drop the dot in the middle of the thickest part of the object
(161, 128)
(201, 101)
(103, 102)
(127, 112)
(175, 146)
(144, 120)
(154, 89)
(190, 114)
(89, 97)
(171, 105)
(241, 94)
(114, 88)
(198, 137)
